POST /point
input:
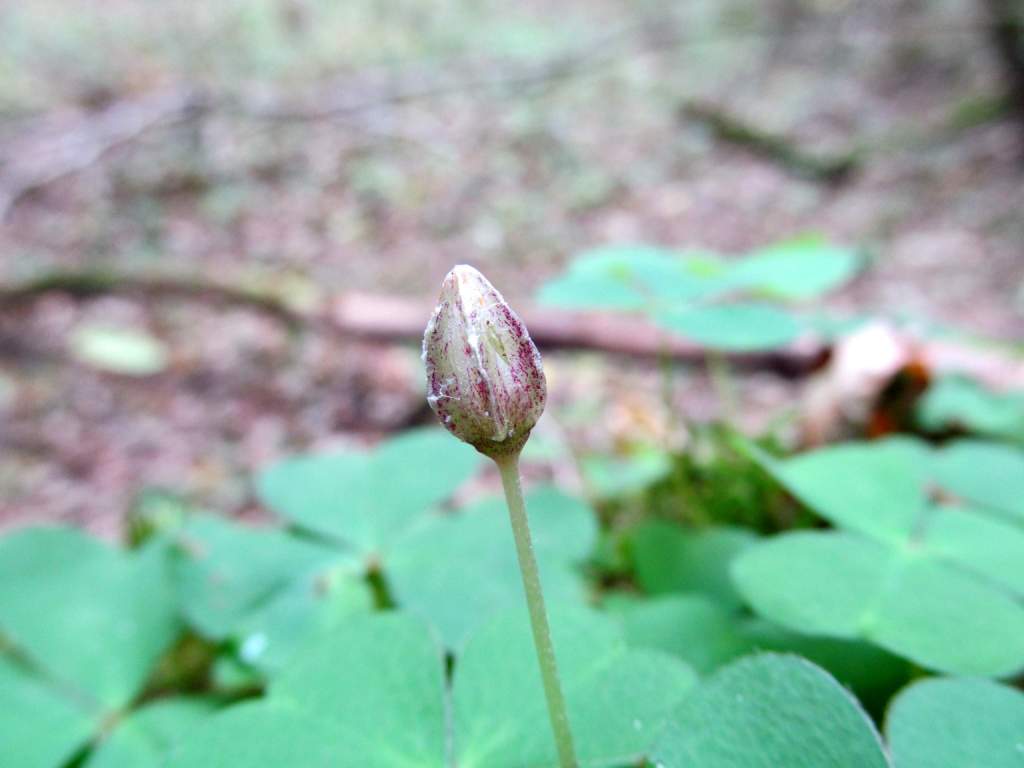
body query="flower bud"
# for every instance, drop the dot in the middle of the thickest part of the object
(485, 380)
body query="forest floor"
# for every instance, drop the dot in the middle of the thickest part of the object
(340, 147)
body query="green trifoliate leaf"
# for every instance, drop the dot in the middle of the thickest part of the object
(369, 499)
(766, 712)
(899, 596)
(957, 723)
(95, 617)
(427, 570)
(40, 727)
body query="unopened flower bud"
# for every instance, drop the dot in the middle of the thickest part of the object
(484, 375)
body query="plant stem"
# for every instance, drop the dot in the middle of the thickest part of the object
(724, 385)
(509, 468)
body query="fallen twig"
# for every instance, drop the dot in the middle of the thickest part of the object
(390, 319)
(60, 147)
(832, 169)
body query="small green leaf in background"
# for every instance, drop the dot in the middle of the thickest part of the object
(634, 278)
(798, 269)
(876, 488)
(368, 499)
(903, 599)
(380, 681)
(427, 570)
(872, 673)
(311, 607)
(669, 558)
(979, 543)
(985, 474)
(39, 726)
(612, 477)
(770, 711)
(707, 636)
(957, 723)
(95, 617)
(373, 694)
(954, 402)
(125, 351)
(144, 738)
(224, 570)
(617, 699)
(740, 327)
(693, 627)
(262, 733)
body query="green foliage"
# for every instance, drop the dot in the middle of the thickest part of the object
(988, 475)
(955, 403)
(39, 726)
(374, 695)
(93, 617)
(704, 297)
(669, 558)
(799, 269)
(903, 598)
(427, 570)
(956, 723)
(938, 584)
(142, 739)
(707, 635)
(613, 477)
(769, 711)
(103, 650)
(225, 571)
(715, 483)
(738, 327)
(369, 499)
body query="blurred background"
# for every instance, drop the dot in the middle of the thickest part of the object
(222, 224)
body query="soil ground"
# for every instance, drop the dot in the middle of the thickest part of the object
(511, 140)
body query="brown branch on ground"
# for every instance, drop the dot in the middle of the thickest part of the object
(397, 320)
(389, 319)
(831, 169)
(1006, 31)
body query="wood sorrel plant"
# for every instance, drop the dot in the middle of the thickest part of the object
(486, 383)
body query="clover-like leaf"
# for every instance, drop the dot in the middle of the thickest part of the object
(800, 269)
(708, 635)
(226, 571)
(367, 499)
(737, 327)
(635, 278)
(693, 627)
(617, 699)
(957, 723)
(988, 547)
(958, 403)
(875, 488)
(670, 558)
(612, 477)
(373, 694)
(899, 596)
(40, 726)
(427, 570)
(986, 474)
(94, 617)
(770, 711)
(145, 737)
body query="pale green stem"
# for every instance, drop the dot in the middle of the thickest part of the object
(509, 468)
(724, 384)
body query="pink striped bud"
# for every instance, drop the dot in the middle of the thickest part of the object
(485, 380)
